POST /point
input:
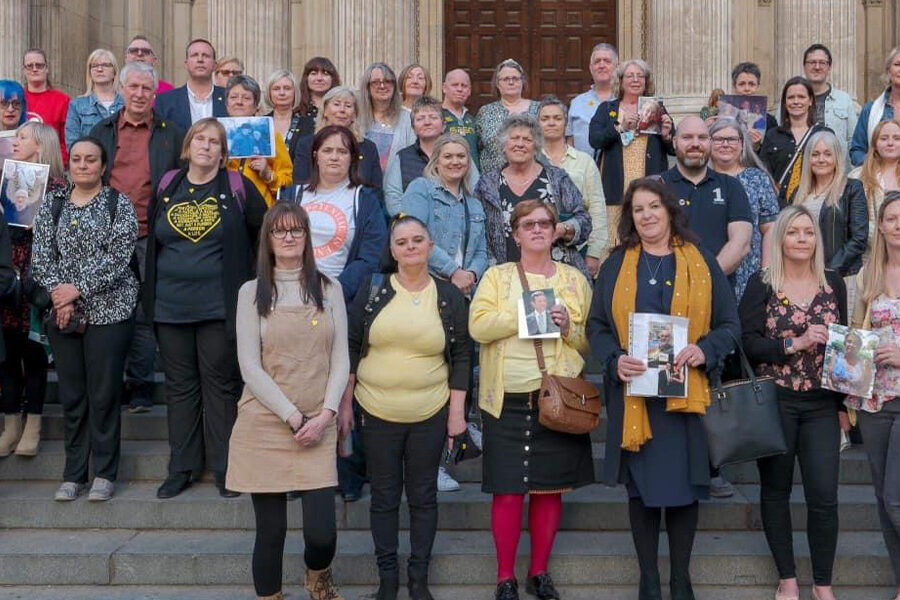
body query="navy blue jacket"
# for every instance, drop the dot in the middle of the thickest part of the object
(369, 165)
(175, 106)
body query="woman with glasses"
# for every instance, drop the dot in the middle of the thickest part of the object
(226, 68)
(510, 82)
(732, 153)
(50, 104)
(100, 100)
(381, 115)
(13, 107)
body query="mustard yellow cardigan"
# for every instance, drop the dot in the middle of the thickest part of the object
(282, 172)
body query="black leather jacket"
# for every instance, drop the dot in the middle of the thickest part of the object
(845, 230)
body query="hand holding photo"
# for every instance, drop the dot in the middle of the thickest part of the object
(650, 115)
(849, 365)
(249, 136)
(535, 318)
(22, 187)
(749, 111)
(656, 340)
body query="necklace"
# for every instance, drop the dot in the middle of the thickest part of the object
(653, 272)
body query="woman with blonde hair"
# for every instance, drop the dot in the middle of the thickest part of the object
(101, 98)
(414, 82)
(877, 307)
(282, 95)
(880, 171)
(785, 312)
(381, 115)
(879, 109)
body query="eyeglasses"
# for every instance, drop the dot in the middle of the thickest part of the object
(381, 83)
(510, 80)
(13, 104)
(530, 224)
(230, 72)
(722, 141)
(817, 63)
(296, 233)
(106, 65)
(35, 66)
(140, 51)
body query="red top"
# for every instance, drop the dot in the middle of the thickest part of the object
(130, 173)
(51, 106)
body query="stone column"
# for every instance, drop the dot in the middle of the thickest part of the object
(256, 31)
(690, 50)
(61, 30)
(880, 38)
(430, 44)
(366, 32)
(14, 14)
(313, 34)
(799, 23)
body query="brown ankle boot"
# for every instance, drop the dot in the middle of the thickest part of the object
(276, 596)
(31, 437)
(320, 585)
(12, 431)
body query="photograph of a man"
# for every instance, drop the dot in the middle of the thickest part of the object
(537, 312)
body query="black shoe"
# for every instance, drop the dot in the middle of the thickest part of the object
(174, 484)
(388, 586)
(507, 590)
(139, 405)
(650, 588)
(541, 585)
(680, 587)
(351, 496)
(220, 483)
(417, 583)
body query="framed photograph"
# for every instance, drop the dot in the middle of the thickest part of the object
(6, 145)
(534, 315)
(650, 113)
(657, 340)
(249, 136)
(849, 365)
(22, 187)
(749, 111)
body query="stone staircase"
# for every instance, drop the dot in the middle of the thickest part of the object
(198, 545)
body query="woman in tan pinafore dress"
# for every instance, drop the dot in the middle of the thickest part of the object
(292, 349)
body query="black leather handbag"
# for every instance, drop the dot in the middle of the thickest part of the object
(743, 421)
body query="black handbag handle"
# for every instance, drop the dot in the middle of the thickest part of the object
(746, 372)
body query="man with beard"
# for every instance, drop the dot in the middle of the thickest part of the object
(716, 204)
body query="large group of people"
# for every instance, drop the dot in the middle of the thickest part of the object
(319, 313)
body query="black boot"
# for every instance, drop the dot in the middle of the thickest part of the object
(388, 585)
(417, 583)
(680, 587)
(174, 484)
(650, 588)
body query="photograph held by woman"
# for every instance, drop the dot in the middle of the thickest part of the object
(657, 446)
(521, 456)
(81, 255)
(23, 375)
(292, 351)
(523, 177)
(407, 415)
(785, 313)
(200, 251)
(877, 307)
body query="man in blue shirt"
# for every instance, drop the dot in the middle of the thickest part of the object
(603, 64)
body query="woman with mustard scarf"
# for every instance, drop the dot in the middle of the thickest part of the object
(657, 446)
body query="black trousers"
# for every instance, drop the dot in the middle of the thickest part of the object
(90, 368)
(403, 455)
(319, 535)
(352, 469)
(203, 385)
(24, 370)
(681, 525)
(141, 361)
(813, 437)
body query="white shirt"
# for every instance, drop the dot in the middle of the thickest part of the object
(581, 111)
(541, 319)
(200, 109)
(332, 224)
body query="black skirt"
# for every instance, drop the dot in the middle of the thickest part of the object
(522, 456)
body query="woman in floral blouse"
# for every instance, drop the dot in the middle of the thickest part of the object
(510, 82)
(877, 307)
(83, 243)
(785, 313)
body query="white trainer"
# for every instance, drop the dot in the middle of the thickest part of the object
(445, 482)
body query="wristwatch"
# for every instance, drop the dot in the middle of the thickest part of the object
(789, 345)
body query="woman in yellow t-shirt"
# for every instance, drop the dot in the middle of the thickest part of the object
(409, 359)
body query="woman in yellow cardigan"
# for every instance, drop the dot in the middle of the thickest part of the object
(520, 455)
(268, 174)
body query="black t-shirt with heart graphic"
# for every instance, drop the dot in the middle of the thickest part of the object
(189, 238)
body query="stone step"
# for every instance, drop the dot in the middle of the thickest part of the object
(148, 460)
(194, 557)
(594, 508)
(354, 592)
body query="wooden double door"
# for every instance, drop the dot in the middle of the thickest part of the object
(551, 39)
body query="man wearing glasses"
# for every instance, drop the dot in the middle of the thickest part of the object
(140, 50)
(45, 103)
(834, 107)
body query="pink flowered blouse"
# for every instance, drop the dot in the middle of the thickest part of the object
(885, 312)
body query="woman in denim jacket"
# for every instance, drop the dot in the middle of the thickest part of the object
(454, 216)
(101, 99)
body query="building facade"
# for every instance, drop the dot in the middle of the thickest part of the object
(690, 44)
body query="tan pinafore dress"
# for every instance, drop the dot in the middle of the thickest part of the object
(263, 456)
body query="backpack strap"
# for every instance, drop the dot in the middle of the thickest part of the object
(236, 183)
(166, 180)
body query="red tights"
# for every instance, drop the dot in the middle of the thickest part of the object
(506, 523)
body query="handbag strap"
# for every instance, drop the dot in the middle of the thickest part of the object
(538, 343)
(746, 369)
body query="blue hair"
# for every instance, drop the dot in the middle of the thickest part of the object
(13, 90)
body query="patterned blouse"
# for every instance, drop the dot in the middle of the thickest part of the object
(89, 252)
(885, 312)
(764, 207)
(487, 124)
(801, 371)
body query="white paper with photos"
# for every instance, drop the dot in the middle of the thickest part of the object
(656, 340)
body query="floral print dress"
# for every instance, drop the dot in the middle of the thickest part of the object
(801, 371)
(538, 190)
(764, 209)
(885, 313)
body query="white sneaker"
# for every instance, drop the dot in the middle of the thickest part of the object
(474, 434)
(445, 482)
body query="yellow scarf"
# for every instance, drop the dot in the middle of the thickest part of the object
(692, 298)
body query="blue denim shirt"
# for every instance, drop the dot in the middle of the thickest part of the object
(84, 113)
(445, 217)
(860, 144)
